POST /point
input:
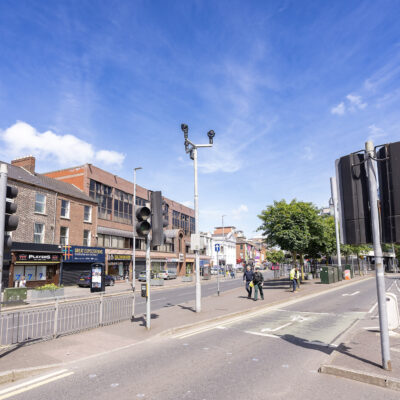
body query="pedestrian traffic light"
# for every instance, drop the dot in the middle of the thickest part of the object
(142, 222)
(10, 219)
(158, 218)
(352, 181)
(389, 191)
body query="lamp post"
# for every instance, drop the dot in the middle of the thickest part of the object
(333, 202)
(191, 149)
(134, 238)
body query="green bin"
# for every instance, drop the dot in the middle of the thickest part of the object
(326, 275)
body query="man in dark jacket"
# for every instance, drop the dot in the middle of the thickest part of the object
(248, 277)
(258, 280)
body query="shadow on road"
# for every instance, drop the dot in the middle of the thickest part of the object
(186, 308)
(142, 319)
(17, 346)
(322, 347)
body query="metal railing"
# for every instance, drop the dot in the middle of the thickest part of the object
(47, 321)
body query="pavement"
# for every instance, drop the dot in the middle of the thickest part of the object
(357, 358)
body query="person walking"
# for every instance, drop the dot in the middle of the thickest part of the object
(258, 280)
(294, 277)
(248, 277)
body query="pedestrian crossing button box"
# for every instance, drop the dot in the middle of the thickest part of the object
(143, 290)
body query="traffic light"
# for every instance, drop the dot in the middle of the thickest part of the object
(142, 223)
(158, 219)
(389, 191)
(352, 181)
(10, 219)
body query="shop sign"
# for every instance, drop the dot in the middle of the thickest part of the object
(83, 254)
(119, 257)
(39, 257)
(181, 257)
(173, 260)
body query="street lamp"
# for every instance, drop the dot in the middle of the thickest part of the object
(223, 243)
(134, 237)
(191, 149)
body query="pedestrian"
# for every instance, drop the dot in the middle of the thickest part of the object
(294, 277)
(22, 282)
(248, 277)
(258, 280)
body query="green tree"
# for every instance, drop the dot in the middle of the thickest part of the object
(275, 256)
(358, 250)
(291, 226)
(323, 242)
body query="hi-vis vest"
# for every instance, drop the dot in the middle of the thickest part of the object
(293, 272)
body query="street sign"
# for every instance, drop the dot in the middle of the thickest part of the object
(217, 247)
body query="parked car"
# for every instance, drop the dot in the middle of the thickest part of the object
(85, 279)
(142, 276)
(165, 274)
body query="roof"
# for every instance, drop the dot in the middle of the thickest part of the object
(39, 180)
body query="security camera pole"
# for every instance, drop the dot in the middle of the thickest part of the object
(191, 148)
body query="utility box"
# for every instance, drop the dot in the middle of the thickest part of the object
(144, 289)
(392, 308)
(327, 275)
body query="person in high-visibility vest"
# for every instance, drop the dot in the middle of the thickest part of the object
(294, 277)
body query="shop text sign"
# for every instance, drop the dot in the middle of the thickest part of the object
(77, 254)
(29, 257)
(119, 257)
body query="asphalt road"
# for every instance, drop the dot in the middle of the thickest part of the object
(275, 355)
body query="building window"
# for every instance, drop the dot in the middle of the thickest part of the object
(38, 234)
(140, 201)
(40, 203)
(87, 215)
(64, 231)
(122, 207)
(65, 208)
(103, 195)
(241, 247)
(185, 223)
(86, 237)
(176, 219)
(166, 212)
(192, 225)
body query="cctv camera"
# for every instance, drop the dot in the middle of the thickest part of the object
(185, 130)
(211, 135)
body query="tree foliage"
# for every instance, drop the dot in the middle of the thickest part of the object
(275, 256)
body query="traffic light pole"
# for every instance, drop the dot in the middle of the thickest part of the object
(148, 277)
(3, 195)
(380, 277)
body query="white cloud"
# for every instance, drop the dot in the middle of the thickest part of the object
(375, 133)
(355, 102)
(238, 212)
(339, 109)
(22, 139)
(110, 157)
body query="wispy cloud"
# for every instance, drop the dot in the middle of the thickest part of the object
(21, 139)
(375, 132)
(238, 212)
(352, 104)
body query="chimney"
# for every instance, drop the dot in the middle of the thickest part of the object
(27, 163)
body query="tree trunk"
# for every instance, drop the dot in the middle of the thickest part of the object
(302, 266)
(358, 263)
(294, 256)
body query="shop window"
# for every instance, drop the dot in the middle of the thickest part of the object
(65, 208)
(31, 272)
(38, 233)
(64, 233)
(86, 237)
(87, 216)
(40, 203)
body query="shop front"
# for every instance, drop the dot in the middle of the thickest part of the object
(118, 265)
(77, 260)
(172, 265)
(37, 264)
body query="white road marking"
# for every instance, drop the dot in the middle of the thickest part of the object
(352, 294)
(395, 350)
(372, 308)
(262, 334)
(276, 329)
(34, 383)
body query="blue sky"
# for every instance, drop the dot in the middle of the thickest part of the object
(287, 86)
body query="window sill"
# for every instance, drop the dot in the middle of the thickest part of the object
(67, 218)
(87, 222)
(39, 213)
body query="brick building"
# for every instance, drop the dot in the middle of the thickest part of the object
(51, 214)
(115, 225)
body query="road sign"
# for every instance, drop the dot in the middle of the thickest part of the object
(217, 247)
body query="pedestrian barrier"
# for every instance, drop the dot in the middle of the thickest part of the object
(63, 317)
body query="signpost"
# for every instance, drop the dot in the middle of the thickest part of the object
(217, 249)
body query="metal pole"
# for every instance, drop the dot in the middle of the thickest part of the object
(380, 277)
(148, 268)
(3, 194)
(223, 244)
(336, 216)
(196, 216)
(134, 239)
(218, 273)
